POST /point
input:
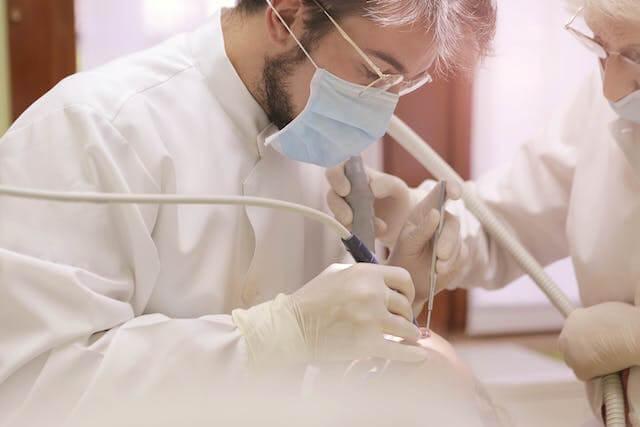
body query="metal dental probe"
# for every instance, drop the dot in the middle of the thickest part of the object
(433, 276)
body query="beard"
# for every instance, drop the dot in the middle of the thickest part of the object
(276, 97)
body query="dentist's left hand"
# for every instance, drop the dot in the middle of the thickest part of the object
(413, 250)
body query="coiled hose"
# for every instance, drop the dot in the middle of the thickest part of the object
(421, 151)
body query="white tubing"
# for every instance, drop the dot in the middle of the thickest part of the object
(421, 151)
(171, 199)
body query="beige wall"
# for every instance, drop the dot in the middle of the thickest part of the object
(4, 69)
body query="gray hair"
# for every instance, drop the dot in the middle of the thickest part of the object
(618, 9)
(457, 25)
(463, 29)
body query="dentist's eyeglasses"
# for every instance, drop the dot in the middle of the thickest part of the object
(395, 83)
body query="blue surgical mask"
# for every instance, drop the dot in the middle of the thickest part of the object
(341, 119)
(628, 107)
(337, 123)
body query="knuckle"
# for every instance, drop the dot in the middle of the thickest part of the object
(367, 295)
(361, 317)
(404, 275)
(396, 183)
(331, 172)
(331, 201)
(455, 224)
(358, 270)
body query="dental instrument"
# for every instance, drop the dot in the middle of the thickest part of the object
(361, 200)
(433, 276)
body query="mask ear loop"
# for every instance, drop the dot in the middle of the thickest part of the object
(292, 34)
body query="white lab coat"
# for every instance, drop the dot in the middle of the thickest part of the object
(573, 193)
(160, 280)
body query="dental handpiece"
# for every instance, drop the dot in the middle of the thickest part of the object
(361, 200)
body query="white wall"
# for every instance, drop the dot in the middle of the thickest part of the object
(536, 69)
(109, 29)
(5, 94)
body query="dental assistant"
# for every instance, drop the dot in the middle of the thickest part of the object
(105, 302)
(574, 193)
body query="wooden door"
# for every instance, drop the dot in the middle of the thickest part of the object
(42, 48)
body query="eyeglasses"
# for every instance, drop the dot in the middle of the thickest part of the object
(385, 82)
(595, 46)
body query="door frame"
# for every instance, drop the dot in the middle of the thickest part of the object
(42, 48)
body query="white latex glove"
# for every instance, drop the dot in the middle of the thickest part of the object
(602, 339)
(392, 205)
(341, 315)
(413, 250)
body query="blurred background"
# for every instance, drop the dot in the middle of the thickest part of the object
(475, 121)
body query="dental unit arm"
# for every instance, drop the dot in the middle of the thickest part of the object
(431, 161)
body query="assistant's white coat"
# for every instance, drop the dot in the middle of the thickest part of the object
(573, 193)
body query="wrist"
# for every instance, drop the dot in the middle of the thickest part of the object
(272, 333)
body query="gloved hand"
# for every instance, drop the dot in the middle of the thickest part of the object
(340, 315)
(413, 250)
(392, 205)
(602, 339)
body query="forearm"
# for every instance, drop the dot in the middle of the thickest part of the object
(147, 360)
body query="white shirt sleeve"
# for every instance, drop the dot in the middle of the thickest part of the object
(75, 280)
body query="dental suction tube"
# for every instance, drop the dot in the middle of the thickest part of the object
(171, 199)
(359, 250)
(430, 160)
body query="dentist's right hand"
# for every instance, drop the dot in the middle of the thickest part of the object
(341, 315)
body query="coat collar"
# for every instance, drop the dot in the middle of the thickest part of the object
(627, 135)
(208, 47)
